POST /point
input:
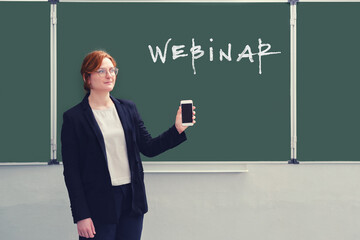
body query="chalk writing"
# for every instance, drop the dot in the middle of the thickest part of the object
(197, 52)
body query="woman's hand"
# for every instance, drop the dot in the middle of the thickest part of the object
(178, 121)
(86, 228)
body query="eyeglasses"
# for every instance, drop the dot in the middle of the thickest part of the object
(102, 72)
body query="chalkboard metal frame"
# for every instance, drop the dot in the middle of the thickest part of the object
(53, 83)
(23, 1)
(293, 90)
(173, 167)
(177, 1)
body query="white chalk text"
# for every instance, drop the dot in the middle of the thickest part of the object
(196, 52)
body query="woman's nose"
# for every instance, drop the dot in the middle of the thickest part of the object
(108, 74)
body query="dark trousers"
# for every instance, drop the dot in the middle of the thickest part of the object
(128, 227)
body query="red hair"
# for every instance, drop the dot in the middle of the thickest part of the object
(91, 63)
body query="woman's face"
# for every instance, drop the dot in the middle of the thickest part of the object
(103, 79)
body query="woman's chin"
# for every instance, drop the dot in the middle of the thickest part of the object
(110, 87)
(106, 89)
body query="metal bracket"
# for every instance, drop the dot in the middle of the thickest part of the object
(53, 162)
(292, 2)
(293, 161)
(53, 1)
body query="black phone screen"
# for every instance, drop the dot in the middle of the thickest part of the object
(186, 111)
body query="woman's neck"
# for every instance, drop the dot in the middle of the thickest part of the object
(100, 100)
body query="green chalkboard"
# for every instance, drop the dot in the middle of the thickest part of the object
(25, 82)
(242, 115)
(328, 81)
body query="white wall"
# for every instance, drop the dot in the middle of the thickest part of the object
(271, 201)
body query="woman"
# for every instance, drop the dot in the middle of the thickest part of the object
(102, 138)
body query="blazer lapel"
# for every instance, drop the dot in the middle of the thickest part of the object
(124, 118)
(92, 121)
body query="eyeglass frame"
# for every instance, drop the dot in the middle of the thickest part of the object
(103, 74)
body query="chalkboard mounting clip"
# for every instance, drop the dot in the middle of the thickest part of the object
(293, 161)
(293, 2)
(53, 162)
(53, 1)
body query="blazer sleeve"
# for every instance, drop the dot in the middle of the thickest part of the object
(70, 157)
(151, 147)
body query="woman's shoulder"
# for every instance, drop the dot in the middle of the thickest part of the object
(126, 102)
(73, 110)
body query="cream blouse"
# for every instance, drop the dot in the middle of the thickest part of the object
(115, 145)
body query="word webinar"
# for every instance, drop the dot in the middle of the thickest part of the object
(197, 52)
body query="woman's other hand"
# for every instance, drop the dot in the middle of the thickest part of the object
(86, 228)
(178, 121)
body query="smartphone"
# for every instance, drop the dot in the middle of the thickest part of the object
(187, 112)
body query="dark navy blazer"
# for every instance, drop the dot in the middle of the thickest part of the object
(86, 173)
